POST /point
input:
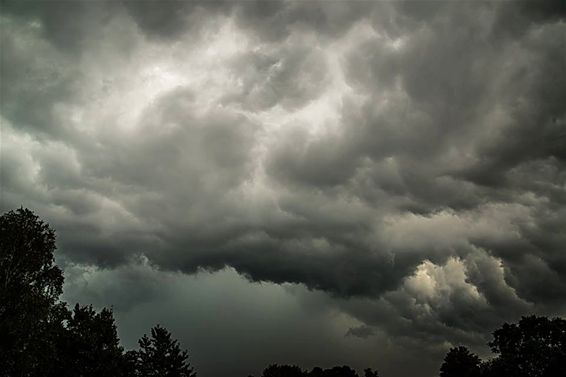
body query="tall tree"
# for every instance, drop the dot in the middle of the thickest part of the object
(90, 346)
(160, 356)
(30, 285)
(535, 347)
(460, 362)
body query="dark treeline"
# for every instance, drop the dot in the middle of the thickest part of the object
(294, 371)
(41, 336)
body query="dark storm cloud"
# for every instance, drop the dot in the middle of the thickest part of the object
(406, 158)
(66, 24)
(276, 20)
(38, 82)
(290, 76)
(360, 331)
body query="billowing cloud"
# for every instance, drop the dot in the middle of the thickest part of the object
(404, 161)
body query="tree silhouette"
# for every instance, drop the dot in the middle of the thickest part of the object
(341, 371)
(535, 347)
(460, 362)
(316, 372)
(370, 373)
(30, 284)
(160, 356)
(39, 336)
(283, 371)
(90, 345)
(275, 370)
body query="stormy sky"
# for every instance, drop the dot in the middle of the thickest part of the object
(320, 183)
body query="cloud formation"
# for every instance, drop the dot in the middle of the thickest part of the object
(404, 159)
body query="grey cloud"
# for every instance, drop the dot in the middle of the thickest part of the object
(276, 20)
(516, 19)
(320, 162)
(65, 24)
(360, 331)
(210, 323)
(290, 76)
(438, 304)
(125, 287)
(405, 160)
(193, 150)
(161, 19)
(31, 84)
(165, 20)
(535, 128)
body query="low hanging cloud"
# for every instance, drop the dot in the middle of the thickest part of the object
(406, 159)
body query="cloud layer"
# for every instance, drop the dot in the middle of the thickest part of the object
(406, 160)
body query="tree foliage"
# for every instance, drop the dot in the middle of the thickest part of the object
(30, 284)
(370, 373)
(283, 371)
(90, 345)
(276, 370)
(161, 356)
(41, 337)
(340, 371)
(460, 362)
(534, 347)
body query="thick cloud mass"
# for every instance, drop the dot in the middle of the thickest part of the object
(406, 161)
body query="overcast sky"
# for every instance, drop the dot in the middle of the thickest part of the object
(319, 183)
